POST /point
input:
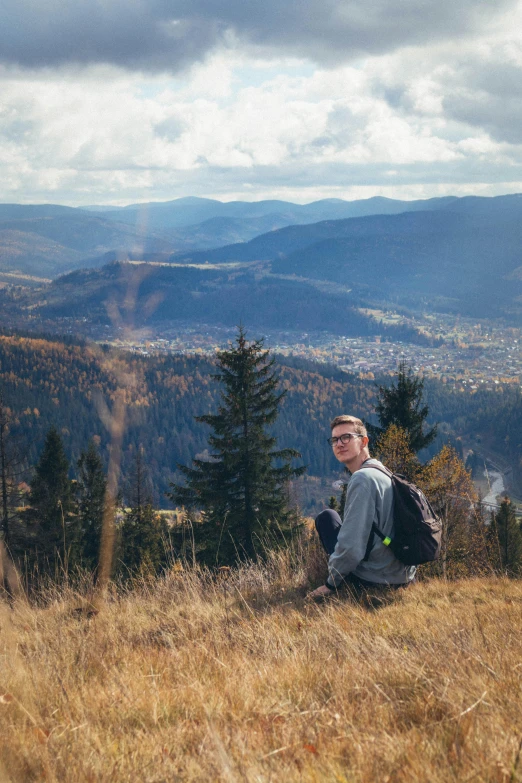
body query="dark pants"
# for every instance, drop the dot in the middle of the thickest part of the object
(328, 524)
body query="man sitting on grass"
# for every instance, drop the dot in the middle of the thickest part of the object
(357, 556)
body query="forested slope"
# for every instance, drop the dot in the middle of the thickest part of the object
(49, 382)
(201, 295)
(53, 383)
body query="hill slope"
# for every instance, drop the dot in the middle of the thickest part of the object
(204, 294)
(460, 255)
(466, 257)
(48, 382)
(195, 679)
(48, 242)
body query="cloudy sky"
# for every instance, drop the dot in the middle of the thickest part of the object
(122, 101)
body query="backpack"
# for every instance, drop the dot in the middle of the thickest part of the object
(417, 529)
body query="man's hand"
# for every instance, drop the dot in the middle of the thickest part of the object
(320, 592)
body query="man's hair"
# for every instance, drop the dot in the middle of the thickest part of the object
(358, 426)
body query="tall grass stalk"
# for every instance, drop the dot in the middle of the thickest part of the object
(234, 677)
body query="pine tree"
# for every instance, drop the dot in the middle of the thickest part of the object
(144, 533)
(241, 487)
(139, 489)
(143, 542)
(333, 503)
(505, 540)
(401, 404)
(52, 504)
(91, 488)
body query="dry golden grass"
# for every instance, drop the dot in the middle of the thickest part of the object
(193, 679)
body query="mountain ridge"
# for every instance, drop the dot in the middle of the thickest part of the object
(464, 256)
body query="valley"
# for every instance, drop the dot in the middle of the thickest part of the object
(340, 291)
(464, 354)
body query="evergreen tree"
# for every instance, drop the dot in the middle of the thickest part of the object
(333, 503)
(143, 541)
(52, 504)
(241, 486)
(91, 488)
(474, 463)
(505, 540)
(139, 489)
(144, 533)
(401, 404)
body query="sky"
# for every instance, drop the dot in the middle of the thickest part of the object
(126, 101)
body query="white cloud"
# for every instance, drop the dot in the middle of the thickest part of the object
(439, 118)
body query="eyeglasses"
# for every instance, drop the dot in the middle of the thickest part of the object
(346, 438)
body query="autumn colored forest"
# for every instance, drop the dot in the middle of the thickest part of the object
(48, 382)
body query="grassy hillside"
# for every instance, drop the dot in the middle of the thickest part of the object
(195, 679)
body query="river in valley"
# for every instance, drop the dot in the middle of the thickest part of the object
(496, 486)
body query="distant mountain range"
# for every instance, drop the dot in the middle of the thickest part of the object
(48, 239)
(189, 211)
(464, 257)
(459, 255)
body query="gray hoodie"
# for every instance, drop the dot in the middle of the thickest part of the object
(369, 499)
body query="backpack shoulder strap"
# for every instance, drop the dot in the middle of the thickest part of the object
(384, 469)
(375, 530)
(369, 546)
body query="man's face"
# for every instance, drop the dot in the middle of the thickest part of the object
(348, 453)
